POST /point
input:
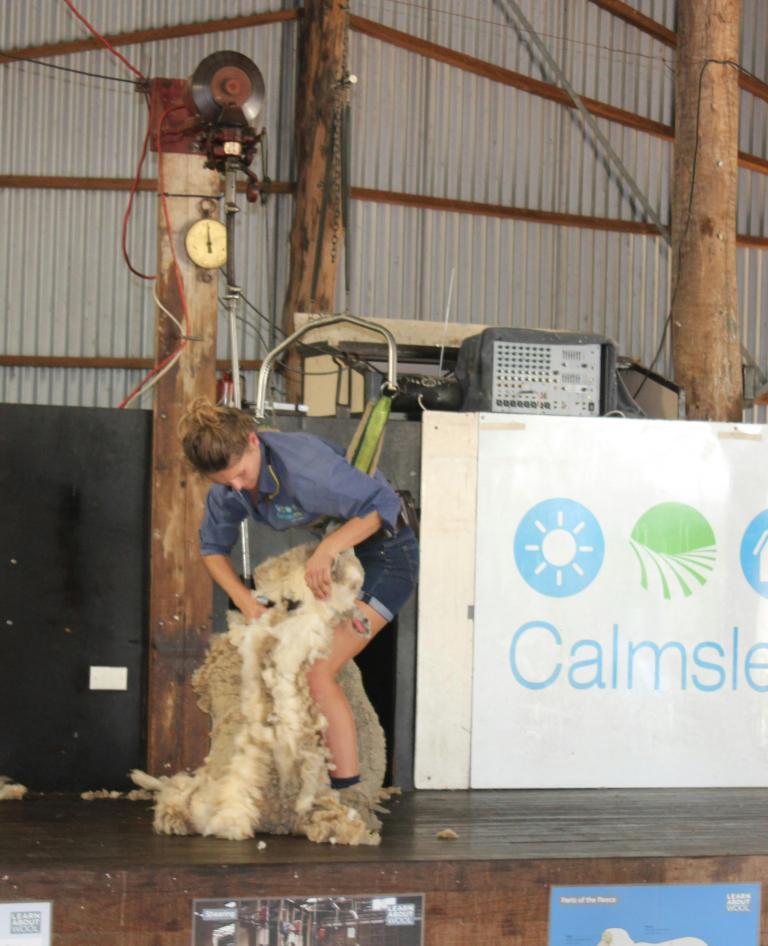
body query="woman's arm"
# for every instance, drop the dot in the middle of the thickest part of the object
(220, 568)
(354, 531)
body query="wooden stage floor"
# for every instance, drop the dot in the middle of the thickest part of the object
(115, 882)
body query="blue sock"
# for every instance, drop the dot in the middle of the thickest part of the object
(339, 783)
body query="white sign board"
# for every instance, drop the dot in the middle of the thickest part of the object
(621, 609)
(25, 924)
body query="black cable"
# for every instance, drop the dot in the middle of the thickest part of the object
(262, 316)
(241, 318)
(255, 329)
(311, 348)
(79, 72)
(493, 24)
(689, 210)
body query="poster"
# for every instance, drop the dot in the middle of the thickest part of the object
(25, 924)
(309, 921)
(621, 608)
(655, 915)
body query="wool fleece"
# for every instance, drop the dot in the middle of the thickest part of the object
(267, 769)
(10, 790)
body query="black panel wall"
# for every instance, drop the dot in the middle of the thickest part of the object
(74, 521)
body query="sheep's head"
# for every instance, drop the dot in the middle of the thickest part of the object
(281, 581)
(616, 936)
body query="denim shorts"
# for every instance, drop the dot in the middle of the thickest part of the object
(391, 568)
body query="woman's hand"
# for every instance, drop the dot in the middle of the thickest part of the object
(251, 609)
(318, 572)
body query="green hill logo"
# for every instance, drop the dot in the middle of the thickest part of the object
(675, 547)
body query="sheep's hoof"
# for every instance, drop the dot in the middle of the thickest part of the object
(171, 822)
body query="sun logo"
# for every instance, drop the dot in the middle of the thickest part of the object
(675, 548)
(559, 547)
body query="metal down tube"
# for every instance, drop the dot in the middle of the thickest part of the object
(588, 119)
(266, 365)
(232, 299)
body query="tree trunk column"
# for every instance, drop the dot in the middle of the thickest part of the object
(705, 321)
(181, 593)
(320, 49)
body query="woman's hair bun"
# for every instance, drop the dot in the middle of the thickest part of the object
(214, 436)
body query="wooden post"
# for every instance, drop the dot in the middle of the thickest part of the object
(320, 50)
(181, 594)
(705, 322)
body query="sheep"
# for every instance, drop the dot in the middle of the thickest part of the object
(620, 937)
(10, 790)
(267, 768)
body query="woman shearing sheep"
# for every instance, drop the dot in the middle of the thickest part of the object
(292, 479)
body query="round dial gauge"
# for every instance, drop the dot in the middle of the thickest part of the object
(206, 243)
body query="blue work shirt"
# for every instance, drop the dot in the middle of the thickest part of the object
(302, 477)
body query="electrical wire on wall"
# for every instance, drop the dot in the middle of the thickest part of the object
(128, 209)
(152, 377)
(492, 27)
(165, 365)
(92, 29)
(689, 209)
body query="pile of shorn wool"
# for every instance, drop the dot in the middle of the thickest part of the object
(267, 770)
(10, 790)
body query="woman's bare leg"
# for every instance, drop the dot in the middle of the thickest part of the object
(340, 736)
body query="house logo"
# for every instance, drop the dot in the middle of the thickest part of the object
(754, 553)
(675, 549)
(559, 547)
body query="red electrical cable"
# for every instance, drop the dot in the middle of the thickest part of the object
(179, 281)
(169, 228)
(150, 374)
(101, 39)
(134, 189)
(135, 185)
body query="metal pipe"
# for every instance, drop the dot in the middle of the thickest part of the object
(232, 299)
(588, 119)
(346, 164)
(269, 359)
(232, 295)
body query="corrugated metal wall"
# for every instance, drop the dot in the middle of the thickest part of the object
(66, 289)
(419, 126)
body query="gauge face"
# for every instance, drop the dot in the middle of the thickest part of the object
(206, 243)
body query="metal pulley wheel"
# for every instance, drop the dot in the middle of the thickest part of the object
(226, 79)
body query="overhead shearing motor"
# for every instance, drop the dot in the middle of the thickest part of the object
(228, 92)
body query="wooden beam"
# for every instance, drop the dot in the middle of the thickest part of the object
(101, 363)
(663, 34)
(751, 162)
(398, 198)
(704, 313)
(753, 85)
(517, 80)
(136, 37)
(317, 229)
(750, 84)
(477, 208)
(639, 20)
(65, 182)
(181, 593)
